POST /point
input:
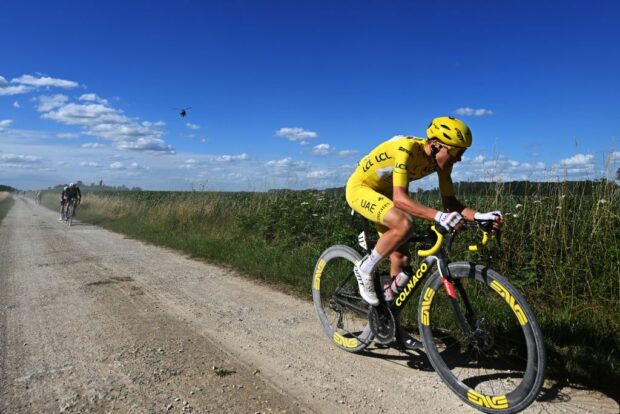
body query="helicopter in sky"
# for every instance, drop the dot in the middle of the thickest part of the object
(183, 111)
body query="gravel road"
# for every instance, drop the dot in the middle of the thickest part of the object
(93, 322)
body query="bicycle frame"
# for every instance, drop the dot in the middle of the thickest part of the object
(436, 255)
(439, 258)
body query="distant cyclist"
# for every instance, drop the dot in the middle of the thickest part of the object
(378, 190)
(74, 195)
(63, 202)
(70, 194)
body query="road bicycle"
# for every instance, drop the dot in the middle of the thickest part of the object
(70, 211)
(477, 330)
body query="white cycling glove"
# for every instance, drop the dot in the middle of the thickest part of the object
(448, 220)
(490, 216)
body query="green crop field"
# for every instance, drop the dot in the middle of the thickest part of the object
(560, 248)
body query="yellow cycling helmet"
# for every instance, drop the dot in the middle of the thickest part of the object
(450, 131)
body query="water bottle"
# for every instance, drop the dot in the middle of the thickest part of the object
(393, 288)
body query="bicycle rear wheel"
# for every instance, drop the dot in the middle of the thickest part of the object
(69, 214)
(497, 364)
(341, 310)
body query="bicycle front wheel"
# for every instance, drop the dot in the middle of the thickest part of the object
(341, 310)
(485, 344)
(69, 214)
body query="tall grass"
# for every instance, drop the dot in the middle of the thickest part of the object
(6, 202)
(560, 248)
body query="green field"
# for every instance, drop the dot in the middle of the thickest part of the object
(6, 202)
(561, 248)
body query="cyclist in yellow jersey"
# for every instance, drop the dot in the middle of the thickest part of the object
(378, 190)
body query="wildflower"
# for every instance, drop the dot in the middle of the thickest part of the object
(602, 201)
(305, 203)
(559, 207)
(519, 206)
(515, 215)
(536, 201)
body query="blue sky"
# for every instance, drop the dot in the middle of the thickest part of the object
(293, 93)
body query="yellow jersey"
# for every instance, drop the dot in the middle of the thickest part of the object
(397, 162)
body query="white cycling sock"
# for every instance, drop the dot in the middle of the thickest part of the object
(371, 262)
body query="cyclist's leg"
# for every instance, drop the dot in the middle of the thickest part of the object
(398, 225)
(398, 260)
(399, 257)
(379, 209)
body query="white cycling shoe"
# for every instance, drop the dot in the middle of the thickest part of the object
(366, 285)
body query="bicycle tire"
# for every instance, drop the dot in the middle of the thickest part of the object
(337, 302)
(500, 366)
(69, 214)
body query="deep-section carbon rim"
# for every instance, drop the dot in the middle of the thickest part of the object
(341, 310)
(499, 365)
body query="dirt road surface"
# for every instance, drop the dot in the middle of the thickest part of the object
(93, 322)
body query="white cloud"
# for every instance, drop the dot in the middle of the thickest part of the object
(286, 166)
(19, 159)
(93, 145)
(5, 123)
(295, 134)
(189, 164)
(473, 112)
(67, 135)
(3, 82)
(192, 126)
(16, 105)
(102, 121)
(579, 159)
(228, 158)
(579, 166)
(146, 144)
(117, 165)
(47, 103)
(347, 153)
(91, 97)
(90, 164)
(321, 149)
(14, 90)
(321, 174)
(44, 81)
(88, 115)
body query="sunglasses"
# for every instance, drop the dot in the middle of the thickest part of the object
(454, 152)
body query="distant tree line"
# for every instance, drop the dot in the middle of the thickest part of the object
(96, 187)
(526, 188)
(7, 188)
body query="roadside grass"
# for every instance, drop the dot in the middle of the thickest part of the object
(6, 202)
(560, 248)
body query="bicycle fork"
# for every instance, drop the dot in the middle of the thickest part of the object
(466, 322)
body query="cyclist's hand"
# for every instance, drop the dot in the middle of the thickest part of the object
(495, 216)
(449, 221)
